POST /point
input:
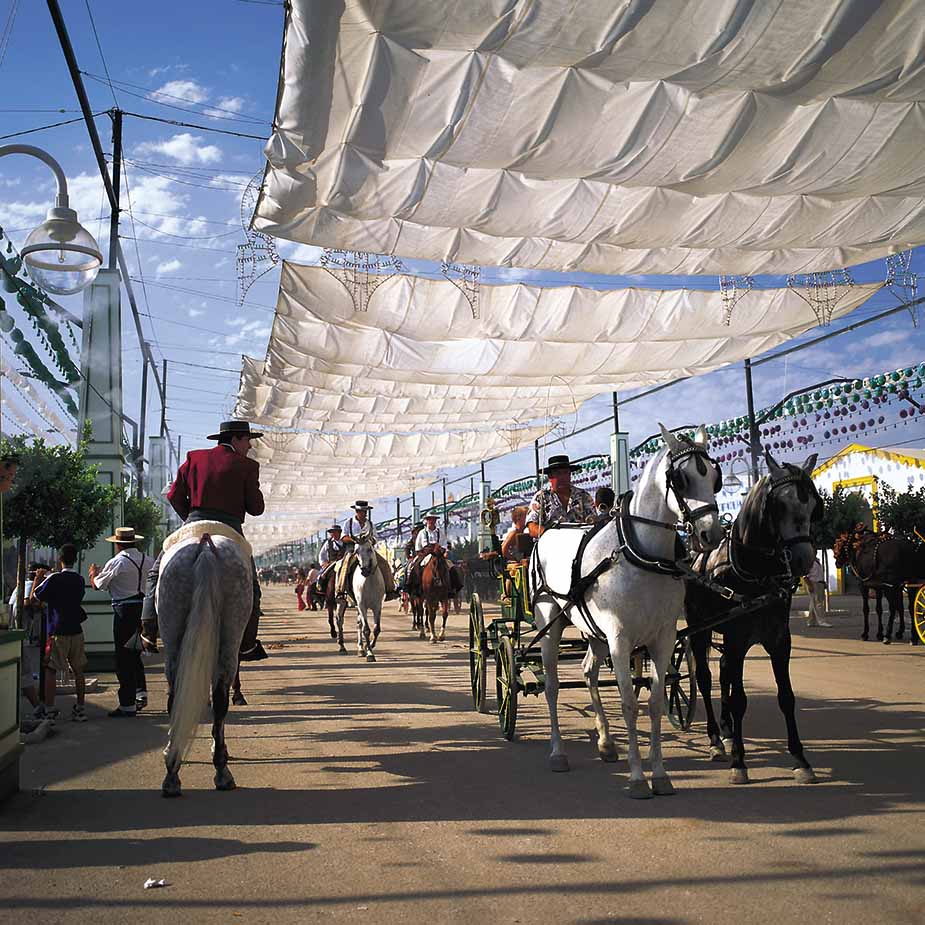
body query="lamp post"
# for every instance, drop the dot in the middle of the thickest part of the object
(62, 256)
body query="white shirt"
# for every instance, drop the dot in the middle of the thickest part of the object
(426, 537)
(330, 549)
(367, 531)
(124, 574)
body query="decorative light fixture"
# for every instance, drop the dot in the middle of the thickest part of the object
(61, 255)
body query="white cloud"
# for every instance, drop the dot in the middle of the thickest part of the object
(195, 312)
(184, 148)
(181, 91)
(225, 105)
(168, 266)
(157, 71)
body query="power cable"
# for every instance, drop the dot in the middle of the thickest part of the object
(99, 48)
(42, 128)
(215, 297)
(202, 128)
(187, 237)
(7, 34)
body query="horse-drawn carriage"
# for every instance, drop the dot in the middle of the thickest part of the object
(511, 641)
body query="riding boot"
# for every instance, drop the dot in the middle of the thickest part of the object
(148, 610)
(251, 650)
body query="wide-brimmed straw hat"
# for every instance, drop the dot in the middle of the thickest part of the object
(124, 535)
(235, 429)
(559, 462)
(431, 516)
(334, 527)
(361, 506)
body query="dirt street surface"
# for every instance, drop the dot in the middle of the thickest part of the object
(374, 793)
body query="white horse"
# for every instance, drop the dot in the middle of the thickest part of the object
(369, 593)
(204, 600)
(628, 605)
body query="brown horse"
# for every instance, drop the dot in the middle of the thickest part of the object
(327, 585)
(435, 591)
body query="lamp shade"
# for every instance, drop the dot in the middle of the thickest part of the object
(62, 256)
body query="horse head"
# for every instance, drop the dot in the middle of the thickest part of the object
(366, 558)
(690, 480)
(787, 506)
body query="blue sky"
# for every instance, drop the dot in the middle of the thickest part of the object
(216, 64)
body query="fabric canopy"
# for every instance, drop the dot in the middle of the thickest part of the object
(673, 136)
(417, 360)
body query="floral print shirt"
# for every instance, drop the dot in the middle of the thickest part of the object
(546, 509)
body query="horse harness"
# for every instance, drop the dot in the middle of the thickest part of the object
(629, 547)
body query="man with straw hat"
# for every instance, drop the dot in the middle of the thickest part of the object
(360, 527)
(221, 484)
(124, 576)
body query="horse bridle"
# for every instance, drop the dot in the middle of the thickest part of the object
(673, 476)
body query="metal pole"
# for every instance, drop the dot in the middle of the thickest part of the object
(536, 461)
(446, 517)
(140, 464)
(616, 413)
(164, 400)
(754, 438)
(116, 174)
(398, 520)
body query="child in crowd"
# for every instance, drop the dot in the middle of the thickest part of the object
(62, 593)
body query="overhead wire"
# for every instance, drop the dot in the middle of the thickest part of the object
(202, 128)
(7, 35)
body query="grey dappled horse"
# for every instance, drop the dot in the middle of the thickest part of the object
(204, 598)
(369, 593)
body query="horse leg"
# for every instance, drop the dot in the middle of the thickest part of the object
(879, 614)
(330, 605)
(432, 620)
(446, 614)
(660, 656)
(865, 606)
(591, 667)
(223, 777)
(171, 785)
(700, 646)
(341, 607)
(738, 703)
(371, 640)
(725, 700)
(549, 648)
(361, 626)
(780, 664)
(238, 699)
(901, 612)
(417, 604)
(621, 653)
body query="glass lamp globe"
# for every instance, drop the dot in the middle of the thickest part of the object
(61, 254)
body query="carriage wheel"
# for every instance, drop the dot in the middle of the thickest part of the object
(506, 687)
(478, 653)
(918, 614)
(681, 686)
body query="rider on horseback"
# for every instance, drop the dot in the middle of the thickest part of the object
(220, 484)
(360, 528)
(430, 540)
(332, 551)
(561, 502)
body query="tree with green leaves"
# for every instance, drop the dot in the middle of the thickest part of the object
(842, 510)
(902, 512)
(146, 516)
(55, 498)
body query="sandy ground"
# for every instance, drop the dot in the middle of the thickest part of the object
(373, 792)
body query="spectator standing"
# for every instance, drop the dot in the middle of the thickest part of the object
(124, 577)
(815, 584)
(62, 592)
(31, 622)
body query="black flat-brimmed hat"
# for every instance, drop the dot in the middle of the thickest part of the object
(235, 429)
(559, 462)
(334, 527)
(361, 506)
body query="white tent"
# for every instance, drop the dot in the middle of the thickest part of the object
(676, 136)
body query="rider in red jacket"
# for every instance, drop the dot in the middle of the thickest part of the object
(220, 484)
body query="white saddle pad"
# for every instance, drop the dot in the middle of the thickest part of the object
(196, 528)
(426, 559)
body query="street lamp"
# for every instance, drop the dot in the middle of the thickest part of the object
(62, 256)
(732, 481)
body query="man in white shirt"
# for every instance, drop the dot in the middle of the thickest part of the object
(431, 539)
(815, 584)
(124, 576)
(359, 528)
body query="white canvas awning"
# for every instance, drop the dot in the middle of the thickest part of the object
(675, 136)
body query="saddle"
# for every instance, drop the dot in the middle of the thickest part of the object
(197, 529)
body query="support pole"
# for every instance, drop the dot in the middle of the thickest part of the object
(536, 461)
(139, 463)
(116, 176)
(754, 438)
(446, 517)
(164, 400)
(398, 520)
(616, 413)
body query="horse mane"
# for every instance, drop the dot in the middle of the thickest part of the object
(751, 525)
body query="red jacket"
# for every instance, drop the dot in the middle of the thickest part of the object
(220, 480)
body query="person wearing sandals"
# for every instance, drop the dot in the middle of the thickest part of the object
(124, 576)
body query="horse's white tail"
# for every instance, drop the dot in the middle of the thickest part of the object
(198, 651)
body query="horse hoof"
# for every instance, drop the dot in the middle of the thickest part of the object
(879, 637)
(370, 657)
(718, 753)
(224, 780)
(442, 636)
(239, 700)
(662, 787)
(342, 650)
(886, 640)
(171, 786)
(433, 640)
(805, 776)
(558, 764)
(361, 653)
(899, 635)
(738, 776)
(421, 635)
(865, 637)
(639, 790)
(607, 752)
(333, 634)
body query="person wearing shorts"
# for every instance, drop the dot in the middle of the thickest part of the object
(62, 593)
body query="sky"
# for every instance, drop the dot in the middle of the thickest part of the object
(215, 63)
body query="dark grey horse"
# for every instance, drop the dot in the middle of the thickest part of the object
(768, 549)
(204, 600)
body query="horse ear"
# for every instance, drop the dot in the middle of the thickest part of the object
(773, 464)
(671, 441)
(810, 464)
(701, 436)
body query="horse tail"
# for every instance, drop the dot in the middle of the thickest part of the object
(198, 650)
